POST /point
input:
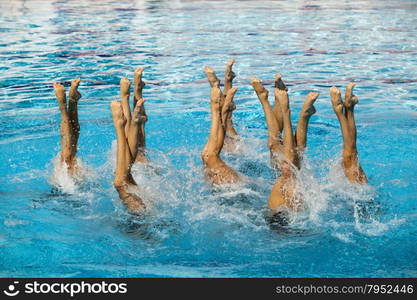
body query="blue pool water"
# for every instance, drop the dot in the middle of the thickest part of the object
(191, 229)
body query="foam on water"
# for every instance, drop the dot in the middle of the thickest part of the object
(55, 225)
(66, 183)
(166, 188)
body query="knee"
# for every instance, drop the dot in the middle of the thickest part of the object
(207, 157)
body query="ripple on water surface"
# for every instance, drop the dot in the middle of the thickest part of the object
(191, 229)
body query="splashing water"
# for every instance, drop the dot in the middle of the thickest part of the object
(66, 183)
(81, 228)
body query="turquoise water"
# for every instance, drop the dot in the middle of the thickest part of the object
(191, 229)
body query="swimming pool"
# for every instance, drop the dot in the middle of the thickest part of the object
(192, 230)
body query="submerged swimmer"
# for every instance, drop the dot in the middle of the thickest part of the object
(345, 114)
(231, 136)
(70, 127)
(129, 127)
(286, 151)
(222, 106)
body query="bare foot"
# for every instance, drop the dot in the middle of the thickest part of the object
(138, 83)
(308, 107)
(336, 99)
(74, 94)
(283, 100)
(60, 95)
(259, 89)
(229, 74)
(229, 105)
(138, 74)
(279, 84)
(211, 76)
(117, 114)
(350, 99)
(124, 87)
(215, 97)
(138, 113)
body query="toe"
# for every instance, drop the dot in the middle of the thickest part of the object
(279, 84)
(313, 96)
(208, 69)
(76, 82)
(139, 71)
(335, 94)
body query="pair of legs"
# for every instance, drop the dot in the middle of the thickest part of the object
(345, 113)
(231, 136)
(129, 127)
(222, 107)
(70, 127)
(286, 150)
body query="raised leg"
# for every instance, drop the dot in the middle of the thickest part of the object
(124, 96)
(67, 150)
(123, 156)
(282, 193)
(123, 182)
(229, 75)
(228, 106)
(279, 85)
(225, 112)
(349, 103)
(212, 146)
(138, 87)
(345, 115)
(228, 84)
(274, 134)
(211, 76)
(288, 140)
(307, 111)
(134, 131)
(215, 169)
(74, 96)
(142, 119)
(338, 107)
(231, 134)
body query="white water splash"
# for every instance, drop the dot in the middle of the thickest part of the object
(168, 191)
(66, 183)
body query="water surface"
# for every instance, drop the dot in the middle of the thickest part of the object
(191, 229)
